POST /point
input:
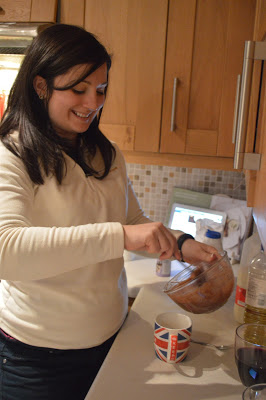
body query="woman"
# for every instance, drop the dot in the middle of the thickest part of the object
(67, 213)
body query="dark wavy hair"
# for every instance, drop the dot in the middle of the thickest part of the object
(53, 52)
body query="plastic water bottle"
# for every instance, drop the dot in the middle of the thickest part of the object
(213, 238)
(255, 309)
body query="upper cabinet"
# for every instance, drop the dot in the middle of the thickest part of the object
(28, 10)
(255, 141)
(173, 79)
(134, 32)
(204, 53)
(72, 12)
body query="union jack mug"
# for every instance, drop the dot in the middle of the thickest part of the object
(172, 333)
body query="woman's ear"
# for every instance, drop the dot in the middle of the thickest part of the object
(39, 84)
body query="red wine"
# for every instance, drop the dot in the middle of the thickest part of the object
(251, 364)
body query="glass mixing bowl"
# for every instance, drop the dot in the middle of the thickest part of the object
(202, 288)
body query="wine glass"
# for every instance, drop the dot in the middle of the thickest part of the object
(250, 353)
(255, 392)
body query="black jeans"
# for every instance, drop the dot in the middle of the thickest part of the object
(37, 373)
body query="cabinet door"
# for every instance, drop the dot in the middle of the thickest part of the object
(43, 11)
(28, 10)
(134, 32)
(259, 199)
(256, 137)
(205, 44)
(15, 10)
(72, 12)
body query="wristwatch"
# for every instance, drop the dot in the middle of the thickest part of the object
(180, 242)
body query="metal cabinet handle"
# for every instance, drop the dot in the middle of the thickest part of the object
(173, 126)
(236, 108)
(244, 104)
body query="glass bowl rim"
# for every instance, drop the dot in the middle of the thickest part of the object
(173, 290)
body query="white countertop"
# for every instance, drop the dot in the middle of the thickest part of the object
(131, 370)
(142, 272)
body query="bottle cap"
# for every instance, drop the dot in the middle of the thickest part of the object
(212, 234)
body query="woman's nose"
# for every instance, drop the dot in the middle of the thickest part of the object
(94, 101)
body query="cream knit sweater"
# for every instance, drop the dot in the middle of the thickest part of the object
(61, 254)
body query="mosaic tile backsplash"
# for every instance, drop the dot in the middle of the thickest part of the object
(154, 184)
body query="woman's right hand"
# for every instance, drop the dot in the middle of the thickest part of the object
(152, 237)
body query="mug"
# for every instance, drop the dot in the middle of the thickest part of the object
(172, 333)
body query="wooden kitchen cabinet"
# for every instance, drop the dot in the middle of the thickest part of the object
(72, 12)
(256, 130)
(134, 32)
(201, 43)
(28, 10)
(205, 46)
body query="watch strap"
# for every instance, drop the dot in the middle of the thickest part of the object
(180, 242)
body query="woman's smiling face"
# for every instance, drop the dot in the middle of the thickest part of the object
(71, 111)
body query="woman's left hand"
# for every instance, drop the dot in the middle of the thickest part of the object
(195, 252)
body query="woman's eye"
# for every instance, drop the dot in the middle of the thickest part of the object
(78, 91)
(101, 92)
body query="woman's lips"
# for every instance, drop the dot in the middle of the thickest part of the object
(82, 115)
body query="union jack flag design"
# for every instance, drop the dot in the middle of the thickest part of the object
(176, 346)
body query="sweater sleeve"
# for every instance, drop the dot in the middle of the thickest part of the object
(30, 252)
